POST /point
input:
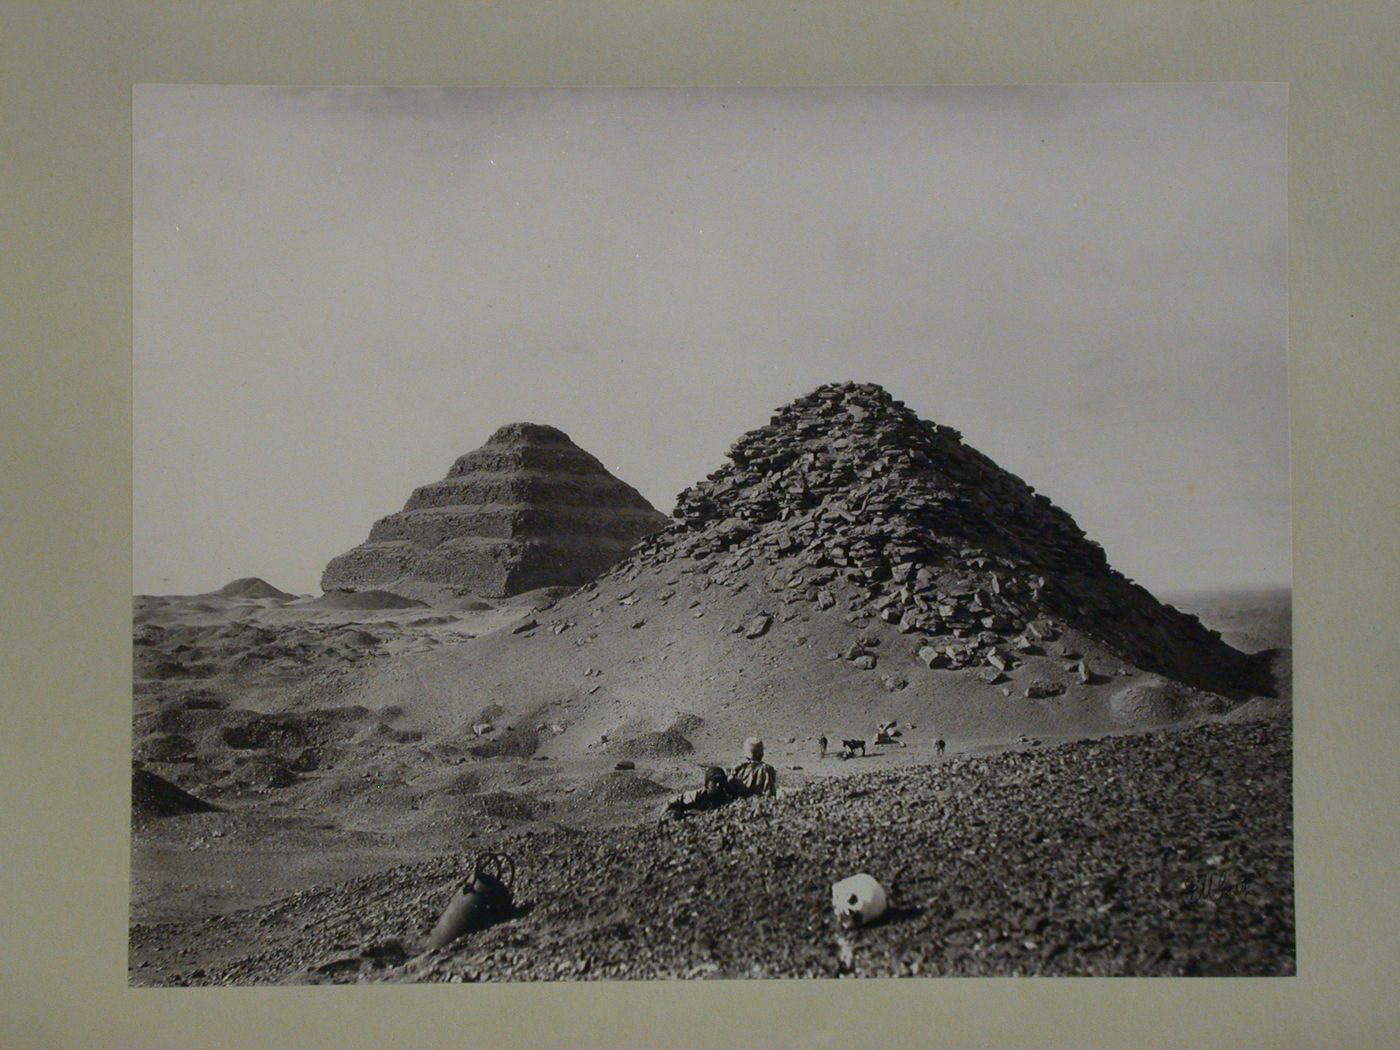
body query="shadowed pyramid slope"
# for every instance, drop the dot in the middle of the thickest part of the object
(528, 509)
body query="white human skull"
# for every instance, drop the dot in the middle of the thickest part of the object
(858, 900)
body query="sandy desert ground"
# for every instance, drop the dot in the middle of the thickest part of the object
(1128, 824)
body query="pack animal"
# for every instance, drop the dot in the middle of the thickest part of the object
(852, 746)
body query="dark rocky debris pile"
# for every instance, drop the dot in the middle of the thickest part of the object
(1163, 854)
(852, 503)
(528, 509)
(153, 796)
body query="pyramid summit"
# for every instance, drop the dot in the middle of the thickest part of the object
(528, 509)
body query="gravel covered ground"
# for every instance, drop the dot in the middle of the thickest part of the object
(1161, 854)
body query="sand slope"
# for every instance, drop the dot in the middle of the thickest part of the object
(630, 657)
(338, 742)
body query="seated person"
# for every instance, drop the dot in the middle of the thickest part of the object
(887, 735)
(753, 776)
(716, 792)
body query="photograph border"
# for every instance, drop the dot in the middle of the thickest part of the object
(67, 75)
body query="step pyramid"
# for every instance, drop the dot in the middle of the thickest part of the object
(528, 509)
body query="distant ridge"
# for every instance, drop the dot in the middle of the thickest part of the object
(253, 587)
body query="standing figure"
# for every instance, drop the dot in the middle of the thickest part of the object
(821, 743)
(938, 746)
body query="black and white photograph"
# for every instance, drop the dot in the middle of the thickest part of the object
(632, 534)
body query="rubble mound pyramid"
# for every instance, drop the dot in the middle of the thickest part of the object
(253, 587)
(528, 509)
(847, 500)
(154, 796)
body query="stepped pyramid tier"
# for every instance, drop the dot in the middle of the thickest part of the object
(849, 501)
(528, 509)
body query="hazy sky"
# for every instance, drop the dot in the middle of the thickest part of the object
(338, 291)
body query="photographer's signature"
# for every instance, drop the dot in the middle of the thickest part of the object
(1214, 885)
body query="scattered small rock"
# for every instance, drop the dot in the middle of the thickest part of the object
(758, 626)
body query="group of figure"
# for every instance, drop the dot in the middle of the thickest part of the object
(750, 778)
(887, 734)
(754, 777)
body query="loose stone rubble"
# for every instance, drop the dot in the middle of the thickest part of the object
(853, 504)
(1164, 854)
